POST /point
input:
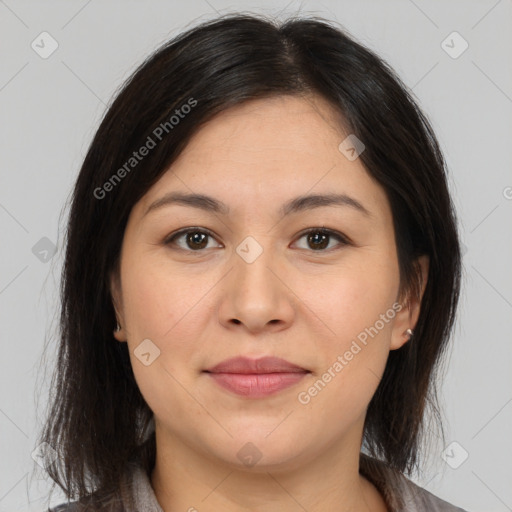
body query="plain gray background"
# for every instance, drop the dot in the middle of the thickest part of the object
(50, 108)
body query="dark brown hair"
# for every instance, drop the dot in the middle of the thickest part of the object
(97, 416)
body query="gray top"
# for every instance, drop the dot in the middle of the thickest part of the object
(399, 493)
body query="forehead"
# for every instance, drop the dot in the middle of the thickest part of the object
(278, 125)
(270, 150)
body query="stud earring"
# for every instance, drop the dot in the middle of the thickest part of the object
(410, 332)
(118, 327)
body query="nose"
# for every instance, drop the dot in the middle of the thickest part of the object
(256, 295)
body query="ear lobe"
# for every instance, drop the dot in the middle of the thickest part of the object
(408, 316)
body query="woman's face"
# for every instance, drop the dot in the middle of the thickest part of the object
(246, 280)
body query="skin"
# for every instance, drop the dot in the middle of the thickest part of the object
(306, 305)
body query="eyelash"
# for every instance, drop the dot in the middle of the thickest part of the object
(343, 240)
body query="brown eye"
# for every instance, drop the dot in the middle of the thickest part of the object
(194, 239)
(319, 239)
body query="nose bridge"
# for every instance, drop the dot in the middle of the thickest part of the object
(255, 295)
(252, 259)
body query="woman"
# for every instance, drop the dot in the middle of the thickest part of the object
(261, 277)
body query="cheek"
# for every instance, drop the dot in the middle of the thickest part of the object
(156, 300)
(157, 306)
(161, 305)
(352, 301)
(356, 308)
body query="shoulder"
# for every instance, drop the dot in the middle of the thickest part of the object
(80, 507)
(400, 493)
(419, 499)
(65, 507)
(134, 493)
(92, 503)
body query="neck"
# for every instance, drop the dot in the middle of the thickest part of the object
(184, 478)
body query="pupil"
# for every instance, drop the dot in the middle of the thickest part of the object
(199, 240)
(196, 239)
(315, 239)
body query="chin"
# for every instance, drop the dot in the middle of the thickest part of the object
(256, 451)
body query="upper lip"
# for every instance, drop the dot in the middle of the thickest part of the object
(254, 366)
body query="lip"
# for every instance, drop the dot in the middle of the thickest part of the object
(261, 365)
(256, 378)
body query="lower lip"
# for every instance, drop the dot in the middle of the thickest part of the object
(257, 385)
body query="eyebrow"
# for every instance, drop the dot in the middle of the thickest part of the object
(298, 204)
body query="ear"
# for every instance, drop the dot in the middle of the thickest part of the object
(407, 317)
(115, 292)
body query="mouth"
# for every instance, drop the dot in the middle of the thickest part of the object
(256, 378)
(246, 365)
